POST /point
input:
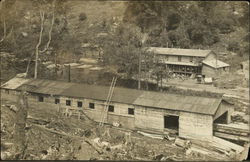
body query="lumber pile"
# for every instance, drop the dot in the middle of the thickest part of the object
(233, 131)
(214, 148)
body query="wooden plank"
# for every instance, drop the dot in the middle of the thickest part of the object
(233, 146)
(232, 137)
(231, 132)
(151, 135)
(237, 127)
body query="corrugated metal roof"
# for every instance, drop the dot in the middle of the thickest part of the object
(123, 95)
(194, 104)
(45, 86)
(180, 52)
(14, 83)
(214, 64)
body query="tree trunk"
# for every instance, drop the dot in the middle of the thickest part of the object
(39, 42)
(21, 117)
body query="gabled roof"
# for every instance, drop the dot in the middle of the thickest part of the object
(215, 64)
(14, 83)
(194, 104)
(151, 99)
(179, 52)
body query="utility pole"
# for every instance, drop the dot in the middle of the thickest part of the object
(216, 64)
(139, 76)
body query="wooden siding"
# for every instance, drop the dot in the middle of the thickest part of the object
(208, 71)
(149, 119)
(193, 125)
(185, 59)
(211, 56)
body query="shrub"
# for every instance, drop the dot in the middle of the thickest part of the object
(82, 16)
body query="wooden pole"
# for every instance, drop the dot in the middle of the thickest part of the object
(139, 76)
(69, 73)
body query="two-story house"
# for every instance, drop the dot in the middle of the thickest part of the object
(190, 61)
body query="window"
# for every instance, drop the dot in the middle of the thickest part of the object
(179, 58)
(111, 108)
(57, 101)
(191, 59)
(166, 58)
(40, 99)
(68, 102)
(79, 103)
(131, 111)
(7, 91)
(91, 105)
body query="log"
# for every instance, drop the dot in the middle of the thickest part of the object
(64, 134)
(151, 135)
(93, 145)
(180, 142)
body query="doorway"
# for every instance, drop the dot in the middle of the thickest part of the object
(222, 119)
(171, 122)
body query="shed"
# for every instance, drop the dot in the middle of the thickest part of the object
(213, 68)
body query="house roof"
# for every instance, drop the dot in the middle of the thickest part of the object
(215, 64)
(179, 52)
(193, 104)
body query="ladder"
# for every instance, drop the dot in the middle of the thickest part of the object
(110, 94)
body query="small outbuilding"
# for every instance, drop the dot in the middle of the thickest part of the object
(213, 68)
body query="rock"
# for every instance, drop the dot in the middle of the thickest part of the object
(13, 108)
(116, 147)
(24, 34)
(116, 124)
(158, 157)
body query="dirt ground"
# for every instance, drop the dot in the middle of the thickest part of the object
(51, 136)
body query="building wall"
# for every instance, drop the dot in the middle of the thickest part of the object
(120, 114)
(211, 56)
(193, 125)
(149, 119)
(208, 71)
(183, 58)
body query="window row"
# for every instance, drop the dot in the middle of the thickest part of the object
(111, 108)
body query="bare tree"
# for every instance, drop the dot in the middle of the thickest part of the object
(37, 51)
(4, 22)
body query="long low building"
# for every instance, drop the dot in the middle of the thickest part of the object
(189, 116)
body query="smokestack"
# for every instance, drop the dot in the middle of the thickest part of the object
(69, 73)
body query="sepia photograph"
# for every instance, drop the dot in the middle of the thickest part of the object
(124, 80)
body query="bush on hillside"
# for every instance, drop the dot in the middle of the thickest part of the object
(82, 16)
